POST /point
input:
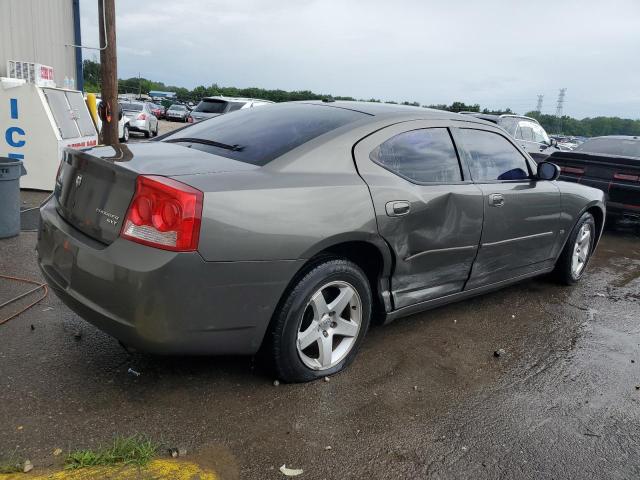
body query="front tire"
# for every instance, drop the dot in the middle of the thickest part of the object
(575, 256)
(321, 321)
(125, 134)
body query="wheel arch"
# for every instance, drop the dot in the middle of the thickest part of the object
(369, 251)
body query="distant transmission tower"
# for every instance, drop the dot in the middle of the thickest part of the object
(539, 105)
(560, 102)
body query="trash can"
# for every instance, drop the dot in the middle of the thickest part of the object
(11, 170)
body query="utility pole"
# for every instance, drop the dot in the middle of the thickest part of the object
(539, 105)
(109, 69)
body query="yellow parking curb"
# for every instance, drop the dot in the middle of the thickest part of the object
(160, 469)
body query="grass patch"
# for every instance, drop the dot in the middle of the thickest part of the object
(13, 464)
(10, 467)
(135, 450)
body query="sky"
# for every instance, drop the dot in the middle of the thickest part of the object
(498, 53)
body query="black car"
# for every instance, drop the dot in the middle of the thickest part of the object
(610, 163)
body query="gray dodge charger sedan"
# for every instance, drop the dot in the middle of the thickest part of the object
(294, 227)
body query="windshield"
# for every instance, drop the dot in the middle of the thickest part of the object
(262, 134)
(624, 147)
(211, 106)
(135, 107)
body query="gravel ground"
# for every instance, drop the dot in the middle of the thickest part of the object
(426, 397)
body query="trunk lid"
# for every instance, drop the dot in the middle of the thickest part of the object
(94, 188)
(600, 167)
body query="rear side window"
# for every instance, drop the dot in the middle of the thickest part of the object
(211, 106)
(233, 106)
(259, 135)
(421, 156)
(133, 107)
(492, 157)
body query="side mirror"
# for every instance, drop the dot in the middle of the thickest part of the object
(548, 171)
(553, 142)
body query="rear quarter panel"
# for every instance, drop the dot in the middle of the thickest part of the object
(286, 210)
(576, 199)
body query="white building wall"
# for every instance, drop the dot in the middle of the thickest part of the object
(37, 31)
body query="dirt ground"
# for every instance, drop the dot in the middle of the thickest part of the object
(426, 397)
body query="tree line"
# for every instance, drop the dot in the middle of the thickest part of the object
(588, 127)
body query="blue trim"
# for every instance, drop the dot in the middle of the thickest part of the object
(16, 156)
(78, 41)
(14, 108)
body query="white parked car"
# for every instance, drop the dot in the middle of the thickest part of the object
(141, 118)
(210, 107)
(123, 124)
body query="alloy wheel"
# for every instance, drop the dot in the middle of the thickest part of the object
(329, 326)
(581, 250)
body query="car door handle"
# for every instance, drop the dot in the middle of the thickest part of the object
(496, 200)
(397, 208)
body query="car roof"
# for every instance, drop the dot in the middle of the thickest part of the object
(236, 99)
(618, 137)
(380, 111)
(490, 117)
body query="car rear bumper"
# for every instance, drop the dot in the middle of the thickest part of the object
(621, 199)
(159, 301)
(139, 126)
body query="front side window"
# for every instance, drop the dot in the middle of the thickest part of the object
(421, 156)
(493, 157)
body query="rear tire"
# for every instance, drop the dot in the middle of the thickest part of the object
(155, 132)
(321, 321)
(147, 133)
(125, 134)
(576, 253)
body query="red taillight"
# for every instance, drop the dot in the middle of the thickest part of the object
(190, 119)
(626, 177)
(142, 116)
(164, 213)
(574, 170)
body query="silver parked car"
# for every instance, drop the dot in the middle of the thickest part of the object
(141, 118)
(177, 112)
(291, 227)
(210, 107)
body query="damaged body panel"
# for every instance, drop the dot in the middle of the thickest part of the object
(408, 195)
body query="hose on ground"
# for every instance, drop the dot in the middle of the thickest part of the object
(38, 286)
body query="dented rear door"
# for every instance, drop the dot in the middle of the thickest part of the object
(433, 228)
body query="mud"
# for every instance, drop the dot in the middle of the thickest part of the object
(426, 397)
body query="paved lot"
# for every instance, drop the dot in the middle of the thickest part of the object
(426, 398)
(164, 126)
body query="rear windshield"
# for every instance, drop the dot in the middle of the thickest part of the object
(135, 107)
(211, 106)
(263, 134)
(611, 146)
(177, 107)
